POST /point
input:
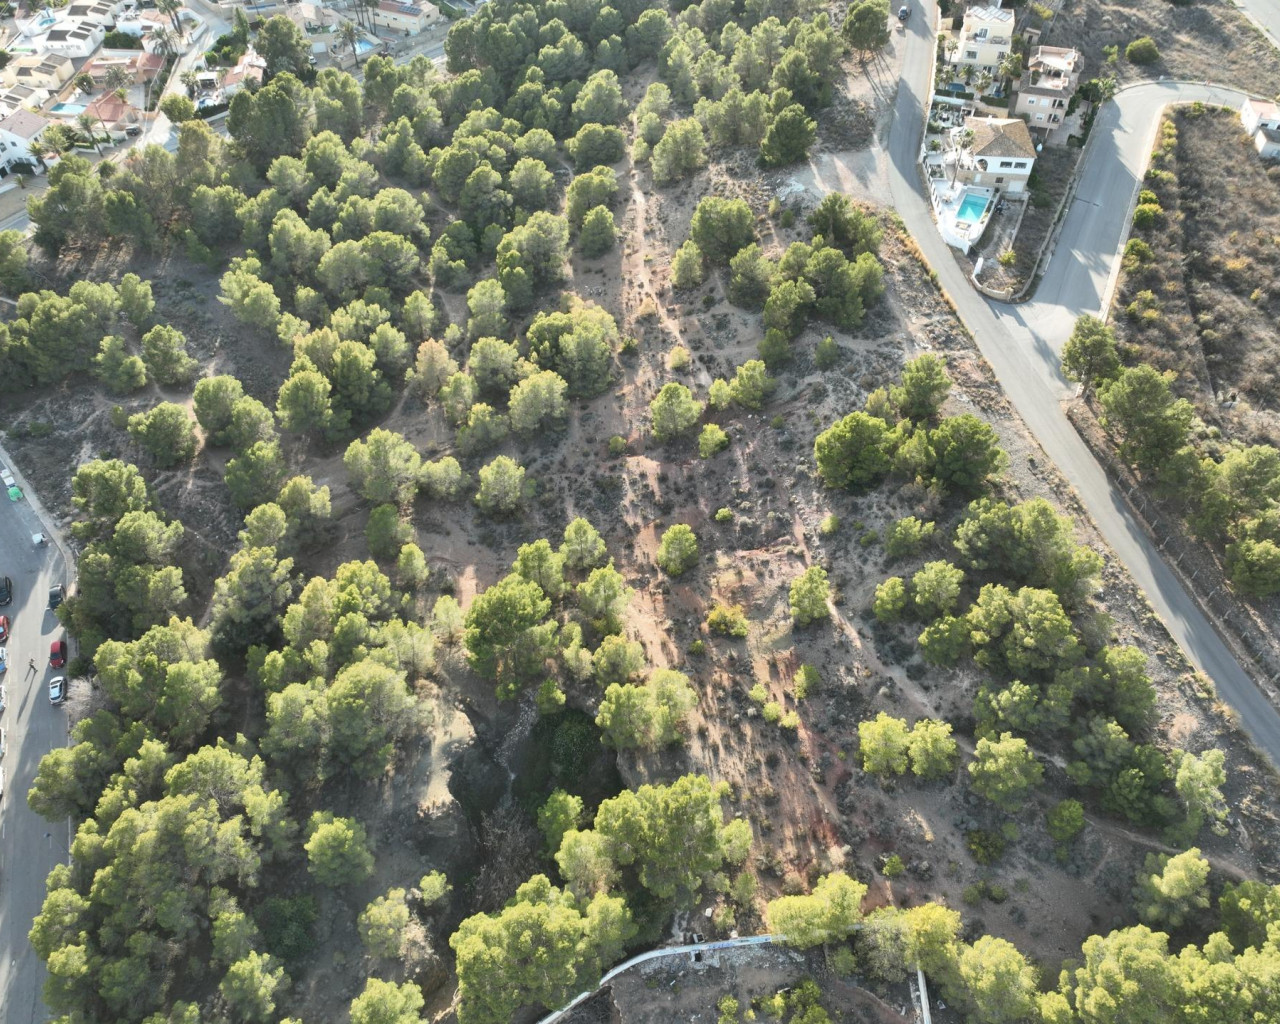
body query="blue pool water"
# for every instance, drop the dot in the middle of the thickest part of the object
(68, 109)
(972, 209)
(364, 46)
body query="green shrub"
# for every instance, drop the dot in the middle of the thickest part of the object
(1146, 215)
(727, 620)
(1142, 50)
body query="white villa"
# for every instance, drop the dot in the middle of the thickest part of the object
(971, 167)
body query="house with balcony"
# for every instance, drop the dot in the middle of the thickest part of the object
(1261, 120)
(404, 18)
(986, 38)
(1048, 81)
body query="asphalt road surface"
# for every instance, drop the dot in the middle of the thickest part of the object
(29, 845)
(1022, 342)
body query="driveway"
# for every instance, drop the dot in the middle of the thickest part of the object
(1022, 342)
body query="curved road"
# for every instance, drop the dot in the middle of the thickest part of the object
(1022, 342)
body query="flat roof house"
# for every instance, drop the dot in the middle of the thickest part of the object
(986, 38)
(404, 18)
(49, 71)
(1047, 83)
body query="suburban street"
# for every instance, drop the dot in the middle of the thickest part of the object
(1022, 342)
(29, 845)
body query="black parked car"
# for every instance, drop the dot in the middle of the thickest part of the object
(57, 595)
(6, 590)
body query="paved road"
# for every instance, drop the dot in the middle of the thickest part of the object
(1022, 342)
(659, 954)
(29, 846)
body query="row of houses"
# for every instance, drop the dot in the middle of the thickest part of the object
(77, 30)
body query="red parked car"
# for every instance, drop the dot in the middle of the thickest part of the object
(57, 654)
(4, 628)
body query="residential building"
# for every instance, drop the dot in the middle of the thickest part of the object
(1047, 84)
(48, 71)
(999, 155)
(402, 17)
(146, 24)
(1261, 119)
(93, 12)
(250, 68)
(17, 132)
(111, 110)
(22, 97)
(140, 65)
(57, 32)
(986, 38)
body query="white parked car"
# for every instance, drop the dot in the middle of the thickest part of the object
(57, 689)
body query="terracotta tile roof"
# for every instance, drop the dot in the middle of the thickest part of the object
(997, 137)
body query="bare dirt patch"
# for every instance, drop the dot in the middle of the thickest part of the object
(1206, 40)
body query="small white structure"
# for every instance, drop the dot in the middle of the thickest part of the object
(1047, 82)
(17, 132)
(403, 17)
(986, 38)
(1261, 120)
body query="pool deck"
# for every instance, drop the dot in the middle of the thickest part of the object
(948, 200)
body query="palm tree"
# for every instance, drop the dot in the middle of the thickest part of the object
(85, 123)
(38, 150)
(962, 141)
(982, 82)
(86, 84)
(171, 8)
(1010, 68)
(190, 79)
(349, 35)
(165, 38)
(118, 79)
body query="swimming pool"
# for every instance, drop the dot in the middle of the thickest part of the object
(972, 209)
(364, 46)
(68, 109)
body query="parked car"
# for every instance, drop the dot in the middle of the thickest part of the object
(6, 590)
(903, 13)
(4, 742)
(4, 628)
(132, 130)
(57, 654)
(1, 783)
(57, 595)
(4, 698)
(57, 689)
(4, 660)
